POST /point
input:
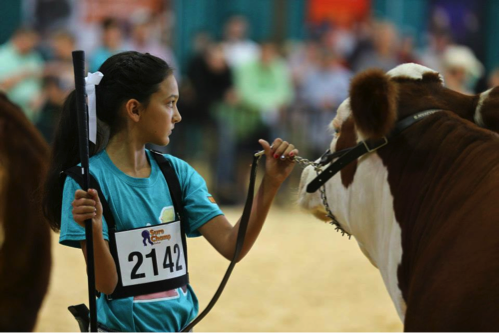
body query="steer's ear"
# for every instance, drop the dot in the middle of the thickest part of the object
(486, 114)
(373, 103)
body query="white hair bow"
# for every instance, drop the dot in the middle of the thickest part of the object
(92, 80)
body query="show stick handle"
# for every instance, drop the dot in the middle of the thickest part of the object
(79, 69)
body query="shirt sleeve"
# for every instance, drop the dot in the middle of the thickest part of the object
(199, 205)
(71, 232)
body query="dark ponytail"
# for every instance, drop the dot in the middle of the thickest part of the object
(127, 75)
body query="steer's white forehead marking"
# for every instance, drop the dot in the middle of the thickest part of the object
(410, 70)
(413, 71)
(343, 112)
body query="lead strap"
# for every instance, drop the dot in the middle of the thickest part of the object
(239, 244)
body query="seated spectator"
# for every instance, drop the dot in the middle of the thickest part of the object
(384, 52)
(238, 49)
(323, 89)
(265, 86)
(264, 90)
(211, 79)
(461, 69)
(433, 52)
(145, 39)
(111, 40)
(303, 59)
(327, 85)
(58, 81)
(212, 82)
(21, 70)
(60, 65)
(50, 112)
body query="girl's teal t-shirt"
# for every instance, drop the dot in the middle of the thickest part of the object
(138, 202)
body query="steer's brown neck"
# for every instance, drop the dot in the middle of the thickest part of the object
(434, 168)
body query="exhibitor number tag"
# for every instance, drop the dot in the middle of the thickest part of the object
(150, 254)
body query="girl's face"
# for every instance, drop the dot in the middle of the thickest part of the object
(161, 115)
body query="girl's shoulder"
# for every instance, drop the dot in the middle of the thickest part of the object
(185, 172)
(179, 165)
(96, 169)
(99, 163)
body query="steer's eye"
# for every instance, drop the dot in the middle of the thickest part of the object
(336, 132)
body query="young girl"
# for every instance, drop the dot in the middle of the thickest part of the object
(137, 104)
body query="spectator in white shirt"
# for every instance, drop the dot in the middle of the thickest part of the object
(238, 49)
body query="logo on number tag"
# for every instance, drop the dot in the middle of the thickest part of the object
(154, 237)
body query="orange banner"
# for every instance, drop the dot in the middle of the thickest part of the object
(97, 10)
(341, 12)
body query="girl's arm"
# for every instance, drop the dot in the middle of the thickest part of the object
(221, 234)
(87, 206)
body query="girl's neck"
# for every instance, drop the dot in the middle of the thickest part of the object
(129, 156)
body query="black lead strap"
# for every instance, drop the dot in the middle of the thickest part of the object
(239, 245)
(364, 147)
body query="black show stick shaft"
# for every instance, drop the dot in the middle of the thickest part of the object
(81, 109)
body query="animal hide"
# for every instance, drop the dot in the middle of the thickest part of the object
(25, 258)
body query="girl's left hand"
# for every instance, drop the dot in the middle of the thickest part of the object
(279, 159)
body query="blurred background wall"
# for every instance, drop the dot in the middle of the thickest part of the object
(10, 16)
(279, 19)
(246, 69)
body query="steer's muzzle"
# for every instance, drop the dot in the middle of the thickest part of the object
(311, 201)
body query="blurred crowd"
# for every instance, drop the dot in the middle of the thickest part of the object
(235, 90)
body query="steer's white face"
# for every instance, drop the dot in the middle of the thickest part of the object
(313, 202)
(364, 209)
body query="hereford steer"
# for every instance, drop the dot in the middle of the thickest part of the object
(25, 259)
(423, 204)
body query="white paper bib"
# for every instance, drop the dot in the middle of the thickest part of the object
(150, 254)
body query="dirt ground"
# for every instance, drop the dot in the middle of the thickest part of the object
(301, 276)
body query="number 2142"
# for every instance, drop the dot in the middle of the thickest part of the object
(167, 261)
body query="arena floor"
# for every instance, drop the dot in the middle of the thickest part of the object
(301, 276)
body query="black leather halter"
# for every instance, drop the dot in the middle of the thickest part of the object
(346, 156)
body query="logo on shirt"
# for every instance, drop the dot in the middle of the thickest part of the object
(167, 214)
(211, 199)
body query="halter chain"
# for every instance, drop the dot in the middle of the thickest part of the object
(317, 167)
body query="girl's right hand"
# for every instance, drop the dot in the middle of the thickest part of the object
(87, 206)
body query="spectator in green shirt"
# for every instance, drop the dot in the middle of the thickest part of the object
(265, 85)
(20, 71)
